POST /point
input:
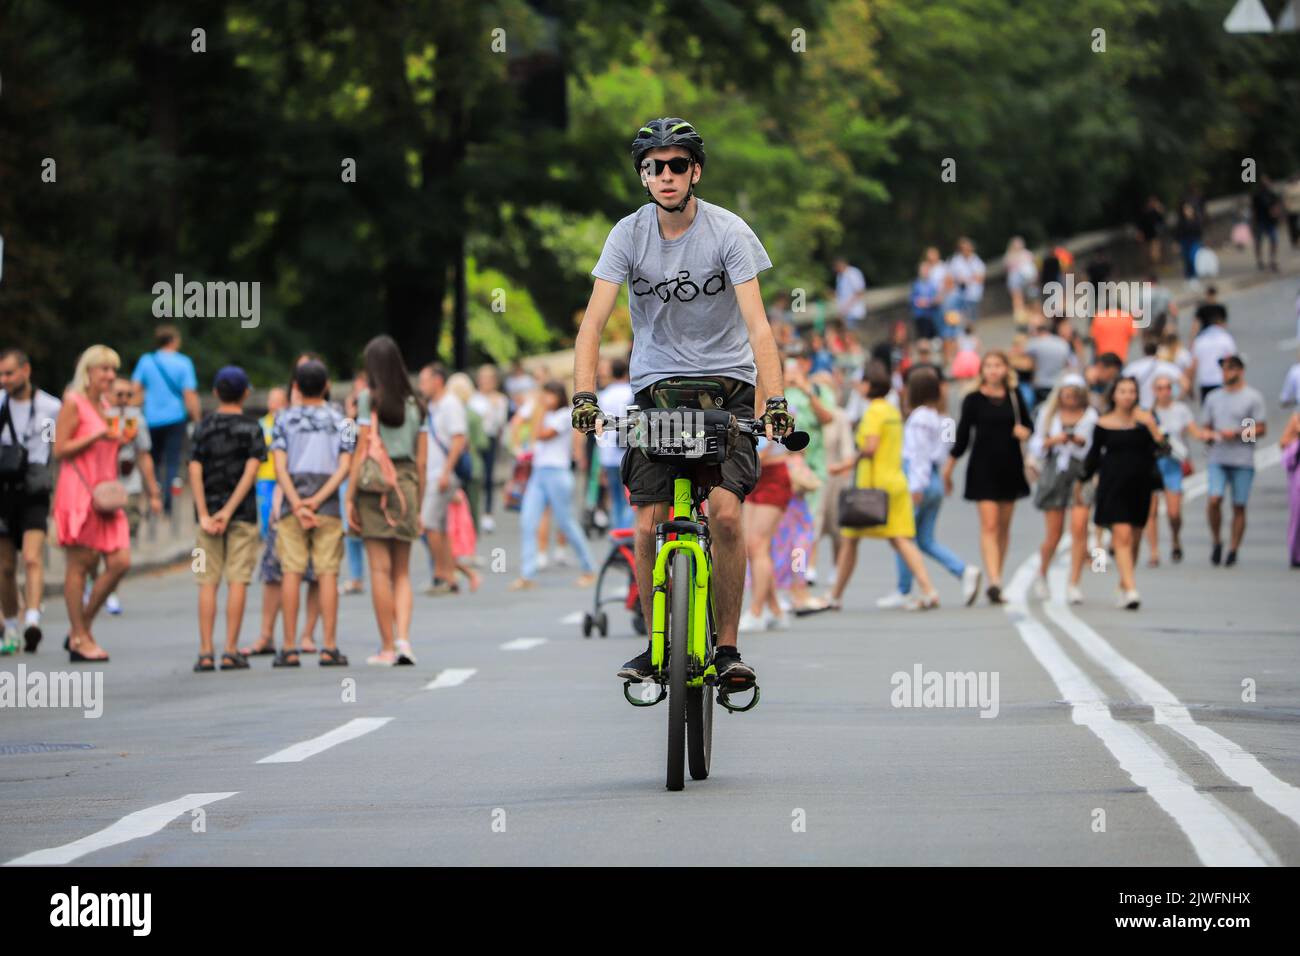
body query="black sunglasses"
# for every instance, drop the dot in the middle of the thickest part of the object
(654, 167)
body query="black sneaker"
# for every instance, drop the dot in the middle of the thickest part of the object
(1231, 559)
(733, 673)
(638, 668)
(1216, 555)
(31, 637)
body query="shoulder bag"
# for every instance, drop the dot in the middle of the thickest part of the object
(864, 507)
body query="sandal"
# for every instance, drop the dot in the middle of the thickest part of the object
(234, 662)
(813, 607)
(282, 658)
(205, 663)
(332, 657)
(263, 647)
(76, 657)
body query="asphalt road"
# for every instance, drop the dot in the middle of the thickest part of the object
(1119, 738)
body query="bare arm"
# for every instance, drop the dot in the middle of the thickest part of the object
(766, 357)
(586, 347)
(192, 407)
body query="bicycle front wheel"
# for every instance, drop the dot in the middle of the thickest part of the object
(679, 625)
(699, 717)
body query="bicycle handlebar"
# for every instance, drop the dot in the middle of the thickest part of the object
(754, 427)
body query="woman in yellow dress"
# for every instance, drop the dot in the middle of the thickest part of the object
(879, 464)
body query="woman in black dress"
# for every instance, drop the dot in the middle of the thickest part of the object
(1124, 447)
(995, 477)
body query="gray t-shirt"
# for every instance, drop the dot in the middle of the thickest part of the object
(1051, 354)
(685, 318)
(1228, 409)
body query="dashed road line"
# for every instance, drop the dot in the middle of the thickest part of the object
(451, 677)
(523, 643)
(133, 826)
(309, 748)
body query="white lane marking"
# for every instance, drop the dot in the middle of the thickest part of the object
(574, 618)
(451, 677)
(309, 748)
(1235, 763)
(133, 826)
(1215, 837)
(523, 643)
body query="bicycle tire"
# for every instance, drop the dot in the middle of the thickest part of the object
(699, 719)
(679, 623)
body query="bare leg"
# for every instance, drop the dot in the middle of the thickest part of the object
(207, 615)
(381, 589)
(270, 609)
(915, 563)
(1078, 542)
(846, 559)
(759, 525)
(727, 533)
(79, 562)
(1174, 508)
(1054, 519)
(290, 594)
(647, 516)
(313, 613)
(1238, 525)
(8, 578)
(329, 607)
(236, 599)
(1122, 537)
(1153, 529)
(116, 564)
(403, 596)
(1214, 515)
(34, 566)
(1005, 510)
(989, 548)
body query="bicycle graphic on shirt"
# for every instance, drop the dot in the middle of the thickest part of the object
(680, 287)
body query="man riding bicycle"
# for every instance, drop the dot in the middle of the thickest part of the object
(691, 269)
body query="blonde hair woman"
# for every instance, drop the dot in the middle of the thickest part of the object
(995, 477)
(86, 444)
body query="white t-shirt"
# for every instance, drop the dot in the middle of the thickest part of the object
(1173, 421)
(848, 284)
(1214, 343)
(613, 400)
(493, 411)
(939, 276)
(555, 452)
(32, 433)
(1146, 370)
(970, 270)
(448, 415)
(1291, 388)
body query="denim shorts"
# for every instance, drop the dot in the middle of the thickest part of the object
(1171, 471)
(1238, 476)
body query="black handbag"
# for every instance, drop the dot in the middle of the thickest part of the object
(864, 507)
(13, 457)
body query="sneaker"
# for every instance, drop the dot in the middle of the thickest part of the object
(971, 579)
(926, 602)
(752, 622)
(543, 562)
(733, 673)
(1041, 591)
(1216, 555)
(810, 576)
(1129, 600)
(1231, 559)
(778, 622)
(638, 668)
(31, 637)
(1073, 594)
(113, 605)
(9, 643)
(892, 600)
(560, 558)
(995, 594)
(487, 524)
(405, 656)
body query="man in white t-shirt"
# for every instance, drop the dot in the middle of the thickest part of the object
(27, 414)
(448, 429)
(1213, 344)
(966, 270)
(1149, 368)
(850, 293)
(614, 399)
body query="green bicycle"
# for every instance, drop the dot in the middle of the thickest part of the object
(683, 629)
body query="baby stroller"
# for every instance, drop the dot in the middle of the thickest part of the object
(618, 570)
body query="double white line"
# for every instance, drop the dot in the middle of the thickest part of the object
(1218, 837)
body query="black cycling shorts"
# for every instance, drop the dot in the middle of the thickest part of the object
(648, 482)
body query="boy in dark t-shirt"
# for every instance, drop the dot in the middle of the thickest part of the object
(228, 448)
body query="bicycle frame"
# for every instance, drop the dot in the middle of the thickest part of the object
(683, 509)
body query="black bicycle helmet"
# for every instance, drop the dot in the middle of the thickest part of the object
(669, 131)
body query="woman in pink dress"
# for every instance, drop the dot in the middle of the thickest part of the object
(86, 446)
